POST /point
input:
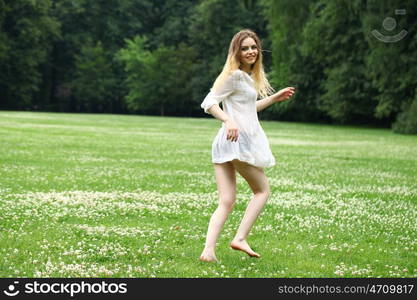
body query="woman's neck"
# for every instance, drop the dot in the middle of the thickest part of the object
(246, 68)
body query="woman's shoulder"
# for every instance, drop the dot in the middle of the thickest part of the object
(229, 79)
(236, 74)
(241, 75)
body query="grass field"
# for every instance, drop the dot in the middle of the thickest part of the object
(84, 195)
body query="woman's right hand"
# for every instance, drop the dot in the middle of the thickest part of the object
(232, 130)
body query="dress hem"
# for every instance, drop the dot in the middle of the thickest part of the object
(219, 161)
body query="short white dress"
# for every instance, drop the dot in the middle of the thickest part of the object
(238, 97)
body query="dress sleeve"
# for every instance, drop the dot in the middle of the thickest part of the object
(217, 96)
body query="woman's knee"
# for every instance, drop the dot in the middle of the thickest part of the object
(264, 194)
(227, 202)
(265, 191)
(254, 176)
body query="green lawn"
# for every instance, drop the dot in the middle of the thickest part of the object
(84, 195)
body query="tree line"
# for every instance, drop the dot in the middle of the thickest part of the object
(161, 57)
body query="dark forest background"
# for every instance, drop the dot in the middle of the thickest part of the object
(161, 57)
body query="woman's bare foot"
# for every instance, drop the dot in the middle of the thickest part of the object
(243, 246)
(208, 256)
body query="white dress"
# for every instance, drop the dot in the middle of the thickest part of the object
(238, 97)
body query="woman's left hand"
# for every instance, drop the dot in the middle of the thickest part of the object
(284, 94)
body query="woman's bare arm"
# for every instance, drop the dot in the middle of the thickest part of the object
(264, 103)
(218, 113)
(279, 96)
(231, 128)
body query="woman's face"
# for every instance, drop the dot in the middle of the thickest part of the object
(248, 51)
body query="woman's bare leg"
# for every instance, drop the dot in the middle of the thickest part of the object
(226, 185)
(259, 185)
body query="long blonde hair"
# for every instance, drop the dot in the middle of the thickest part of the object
(262, 86)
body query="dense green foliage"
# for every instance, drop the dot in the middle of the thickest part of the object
(27, 32)
(343, 71)
(161, 57)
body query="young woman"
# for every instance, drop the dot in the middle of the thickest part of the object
(241, 144)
